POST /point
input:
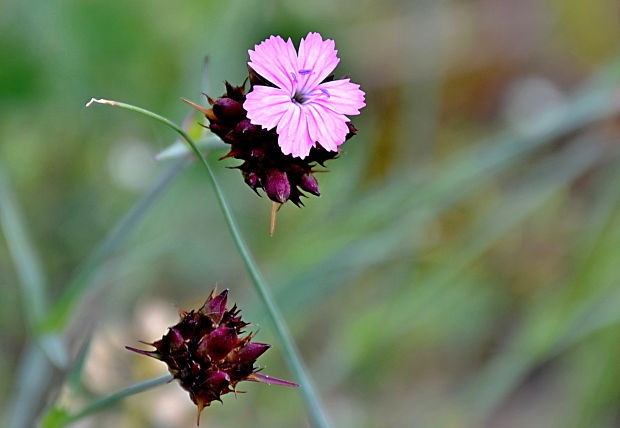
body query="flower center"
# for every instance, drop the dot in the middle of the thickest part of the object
(302, 95)
(300, 98)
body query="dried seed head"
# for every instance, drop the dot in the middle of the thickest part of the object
(205, 352)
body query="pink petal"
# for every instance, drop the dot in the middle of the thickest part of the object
(266, 105)
(259, 377)
(326, 127)
(284, 127)
(293, 137)
(276, 61)
(316, 60)
(342, 96)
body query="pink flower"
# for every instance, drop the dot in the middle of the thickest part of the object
(303, 109)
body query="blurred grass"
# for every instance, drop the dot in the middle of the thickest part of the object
(85, 277)
(27, 265)
(459, 269)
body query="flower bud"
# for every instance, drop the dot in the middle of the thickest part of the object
(278, 187)
(215, 306)
(309, 184)
(246, 126)
(175, 340)
(218, 380)
(251, 179)
(250, 352)
(218, 343)
(228, 109)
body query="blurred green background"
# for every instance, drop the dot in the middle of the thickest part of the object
(461, 268)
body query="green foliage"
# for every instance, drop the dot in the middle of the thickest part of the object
(55, 417)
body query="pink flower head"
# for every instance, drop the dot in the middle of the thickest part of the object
(303, 108)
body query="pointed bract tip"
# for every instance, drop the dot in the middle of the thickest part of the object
(250, 352)
(275, 207)
(151, 354)
(201, 406)
(262, 378)
(200, 108)
(215, 306)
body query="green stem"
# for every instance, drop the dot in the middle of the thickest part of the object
(110, 400)
(294, 361)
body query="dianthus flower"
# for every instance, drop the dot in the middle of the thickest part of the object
(303, 107)
(292, 119)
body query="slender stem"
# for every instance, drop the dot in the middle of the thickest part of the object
(292, 357)
(118, 396)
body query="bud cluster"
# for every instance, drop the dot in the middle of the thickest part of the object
(282, 177)
(205, 352)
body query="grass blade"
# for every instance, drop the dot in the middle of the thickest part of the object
(82, 280)
(34, 371)
(29, 271)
